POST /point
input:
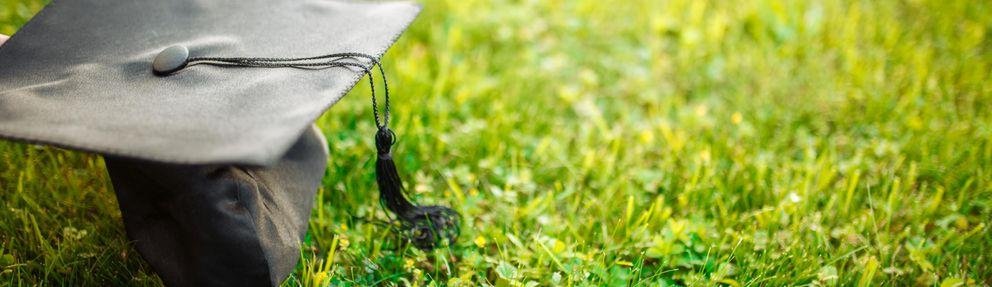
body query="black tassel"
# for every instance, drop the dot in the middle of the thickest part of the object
(426, 226)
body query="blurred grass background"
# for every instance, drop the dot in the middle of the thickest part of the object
(621, 143)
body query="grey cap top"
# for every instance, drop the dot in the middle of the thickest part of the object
(84, 74)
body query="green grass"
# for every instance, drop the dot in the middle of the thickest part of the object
(643, 143)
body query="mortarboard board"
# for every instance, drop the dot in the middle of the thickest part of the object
(79, 75)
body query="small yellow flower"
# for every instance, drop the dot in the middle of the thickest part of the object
(480, 241)
(344, 227)
(646, 136)
(737, 118)
(705, 156)
(701, 110)
(320, 277)
(408, 264)
(557, 246)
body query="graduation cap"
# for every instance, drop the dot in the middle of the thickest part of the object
(199, 82)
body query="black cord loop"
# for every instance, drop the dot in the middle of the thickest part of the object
(316, 63)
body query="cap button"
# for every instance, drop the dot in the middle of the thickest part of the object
(170, 60)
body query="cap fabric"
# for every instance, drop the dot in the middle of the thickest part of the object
(79, 75)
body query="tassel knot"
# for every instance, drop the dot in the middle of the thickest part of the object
(384, 140)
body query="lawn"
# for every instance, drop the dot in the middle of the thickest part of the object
(641, 143)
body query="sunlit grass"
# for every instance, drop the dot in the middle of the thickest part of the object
(744, 143)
